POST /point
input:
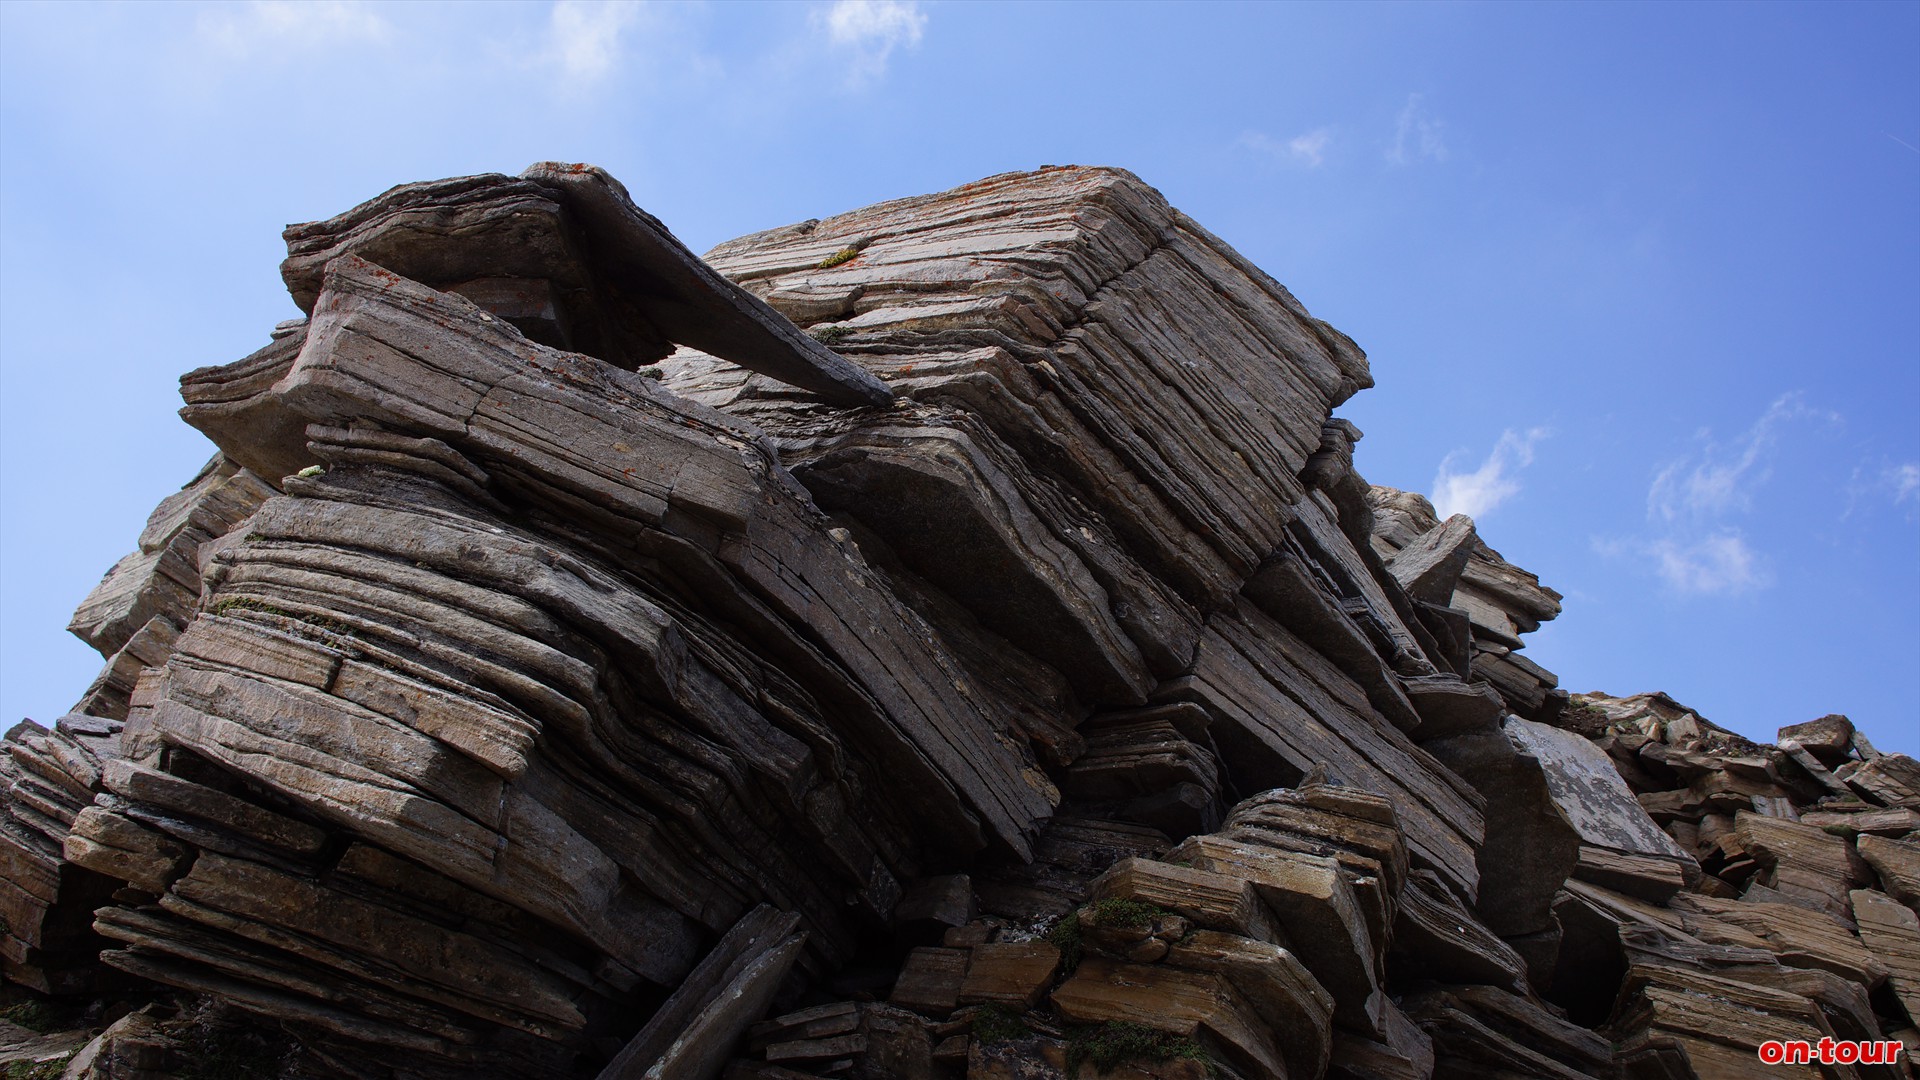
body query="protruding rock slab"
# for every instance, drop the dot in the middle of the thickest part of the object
(1857, 820)
(1170, 999)
(1588, 792)
(1279, 708)
(47, 779)
(1529, 849)
(1450, 707)
(1310, 900)
(1437, 937)
(1891, 932)
(1276, 983)
(1795, 936)
(930, 980)
(630, 289)
(1898, 864)
(1830, 738)
(1406, 1053)
(1478, 1030)
(1429, 568)
(696, 1030)
(1645, 876)
(234, 405)
(1212, 901)
(1502, 600)
(1802, 864)
(1618, 843)
(1887, 779)
(1011, 973)
(1358, 829)
(1712, 1023)
(162, 578)
(689, 301)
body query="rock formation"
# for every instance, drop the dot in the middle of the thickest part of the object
(947, 639)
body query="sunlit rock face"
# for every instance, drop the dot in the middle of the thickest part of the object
(946, 639)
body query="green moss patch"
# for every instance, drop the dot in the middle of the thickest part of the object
(37, 1070)
(1065, 936)
(997, 1024)
(42, 1014)
(1126, 914)
(1116, 1042)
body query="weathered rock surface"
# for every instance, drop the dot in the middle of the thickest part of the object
(47, 940)
(135, 615)
(948, 639)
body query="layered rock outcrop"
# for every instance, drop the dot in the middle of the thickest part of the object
(947, 639)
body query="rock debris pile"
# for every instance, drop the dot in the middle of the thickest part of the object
(945, 640)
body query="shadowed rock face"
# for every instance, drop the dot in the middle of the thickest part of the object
(579, 651)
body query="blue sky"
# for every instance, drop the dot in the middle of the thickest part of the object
(1640, 283)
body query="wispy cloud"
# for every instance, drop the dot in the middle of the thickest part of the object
(1691, 545)
(1418, 135)
(1876, 483)
(265, 25)
(1902, 482)
(868, 32)
(1308, 150)
(1722, 563)
(583, 37)
(1494, 482)
(1716, 479)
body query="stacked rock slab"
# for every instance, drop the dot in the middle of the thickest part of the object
(947, 639)
(1486, 602)
(133, 617)
(1801, 916)
(46, 901)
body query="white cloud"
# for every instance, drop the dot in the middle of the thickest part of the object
(869, 31)
(1718, 564)
(1494, 482)
(1691, 547)
(1417, 135)
(1895, 483)
(1903, 481)
(245, 29)
(583, 38)
(1719, 480)
(1308, 150)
